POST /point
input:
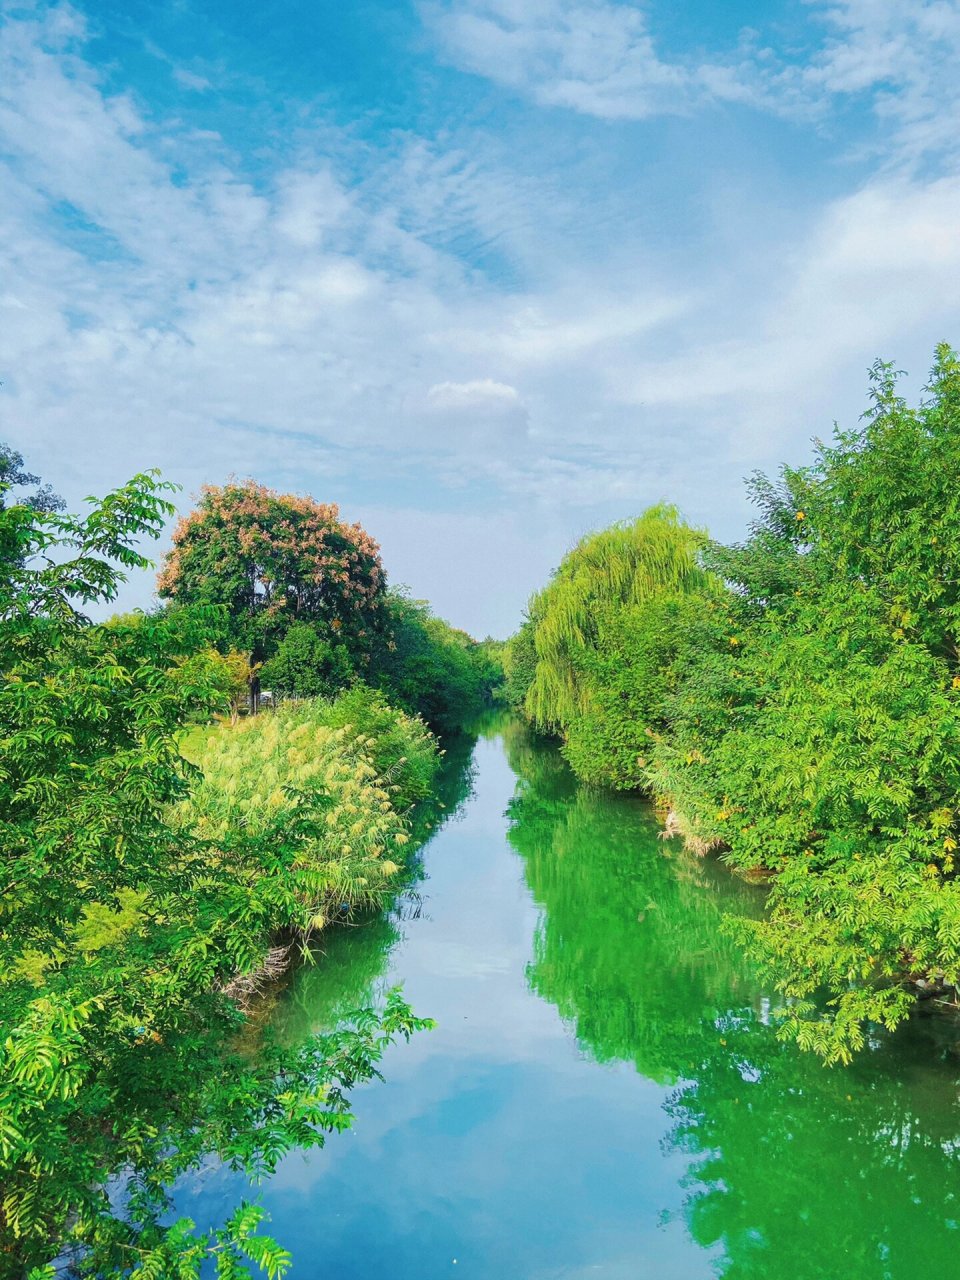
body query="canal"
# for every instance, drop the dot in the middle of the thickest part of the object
(604, 1094)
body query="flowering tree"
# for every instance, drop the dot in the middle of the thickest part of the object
(273, 559)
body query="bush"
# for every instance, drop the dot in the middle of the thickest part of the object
(307, 665)
(819, 741)
(353, 785)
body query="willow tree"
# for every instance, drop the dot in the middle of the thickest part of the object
(606, 629)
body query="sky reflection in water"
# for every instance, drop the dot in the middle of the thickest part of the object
(601, 1096)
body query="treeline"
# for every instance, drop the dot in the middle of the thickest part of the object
(793, 702)
(163, 853)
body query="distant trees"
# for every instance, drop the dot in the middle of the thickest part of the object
(425, 665)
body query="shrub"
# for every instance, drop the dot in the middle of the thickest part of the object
(119, 1064)
(308, 665)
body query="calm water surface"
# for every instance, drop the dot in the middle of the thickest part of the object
(602, 1096)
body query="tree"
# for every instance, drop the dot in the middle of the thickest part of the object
(433, 669)
(119, 1067)
(819, 740)
(520, 663)
(273, 559)
(596, 651)
(232, 673)
(13, 476)
(306, 665)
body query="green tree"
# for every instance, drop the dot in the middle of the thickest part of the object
(595, 656)
(306, 665)
(819, 741)
(520, 663)
(430, 668)
(233, 673)
(120, 932)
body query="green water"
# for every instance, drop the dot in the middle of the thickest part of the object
(603, 1096)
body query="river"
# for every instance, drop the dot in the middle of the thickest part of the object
(604, 1095)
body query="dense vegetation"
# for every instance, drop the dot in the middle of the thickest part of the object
(805, 719)
(430, 668)
(306, 605)
(153, 869)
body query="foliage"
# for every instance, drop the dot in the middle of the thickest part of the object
(594, 659)
(232, 673)
(435, 670)
(306, 665)
(273, 559)
(520, 663)
(345, 765)
(401, 748)
(638, 656)
(806, 719)
(820, 740)
(625, 565)
(13, 475)
(120, 931)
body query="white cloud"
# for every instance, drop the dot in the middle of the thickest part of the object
(483, 393)
(330, 328)
(881, 267)
(597, 57)
(903, 56)
(593, 56)
(190, 80)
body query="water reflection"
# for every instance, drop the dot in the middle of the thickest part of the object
(809, 1172)
(602, 1097)
(629, 946)
(794, 1170)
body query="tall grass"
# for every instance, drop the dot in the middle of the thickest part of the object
(353, 767)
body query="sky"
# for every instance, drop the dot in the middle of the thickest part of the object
(489, 274)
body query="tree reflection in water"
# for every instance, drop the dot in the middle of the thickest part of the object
(795, 1170)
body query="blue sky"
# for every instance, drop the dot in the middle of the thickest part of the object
(488, 273)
